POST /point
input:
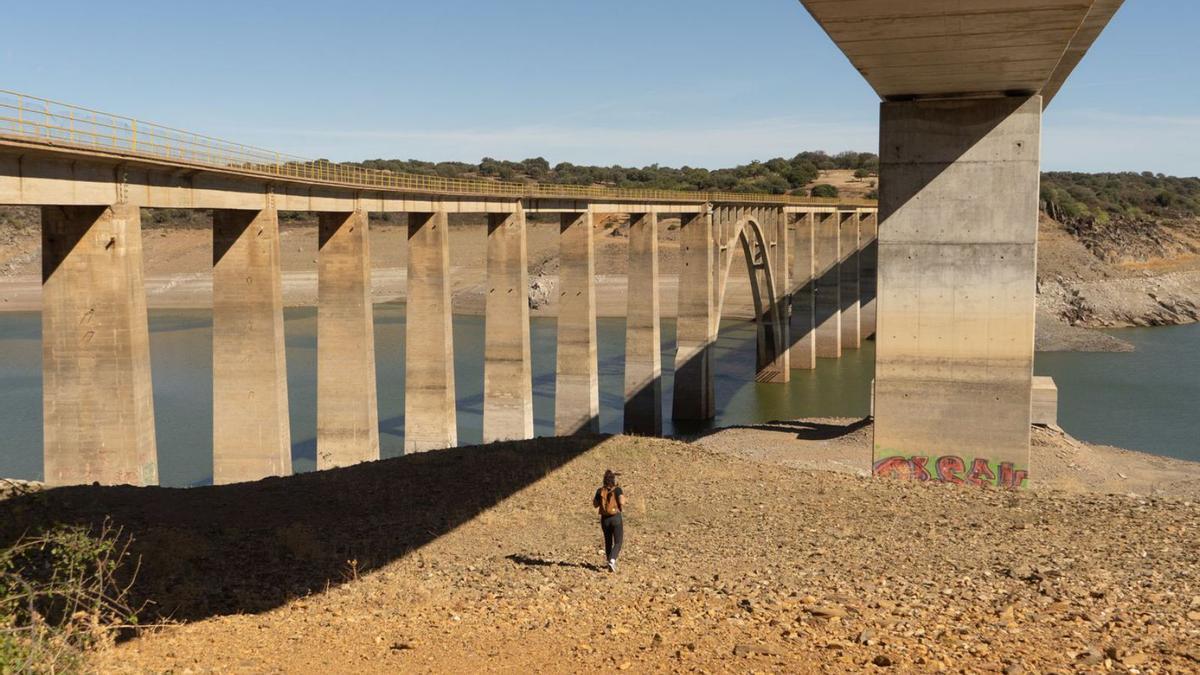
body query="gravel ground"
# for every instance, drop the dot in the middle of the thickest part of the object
(489, 559)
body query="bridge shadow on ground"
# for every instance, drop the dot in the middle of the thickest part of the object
(803, 430)
(251, 547)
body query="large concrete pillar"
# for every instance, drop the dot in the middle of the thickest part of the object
(507, 374)
(957, 258)
(97, 397)
(430, 420)
(868, 259)
(773, 355)
(251, 436)
(851, 319)
(347, 413)
(828, 300)
(696, 325)
(643, 360)
(577, 379)
(802, 322)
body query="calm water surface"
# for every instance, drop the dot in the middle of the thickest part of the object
(1145, 400)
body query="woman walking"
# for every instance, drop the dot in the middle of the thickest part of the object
(611, 502)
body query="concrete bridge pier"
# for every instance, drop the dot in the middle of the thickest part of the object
(507, 374)
(850, 289)
(251, 436)
(347, 411)
(430, 419)
(868, 262)
(828, 302)
(957, 242)
(801, 319)
(643, 343)
(577, 377)
(771, 283)
(98, 403)
(696, 324)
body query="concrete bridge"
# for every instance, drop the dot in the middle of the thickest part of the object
(963, 82)
(91, 173)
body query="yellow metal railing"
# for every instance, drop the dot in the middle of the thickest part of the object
(30, 118)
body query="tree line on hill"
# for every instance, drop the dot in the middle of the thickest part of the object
(1101, 197)
(778, 176)
(1065, 196)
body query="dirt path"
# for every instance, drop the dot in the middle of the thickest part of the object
(486, 559)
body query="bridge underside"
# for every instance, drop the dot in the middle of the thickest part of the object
(963, 84)
(953, 48)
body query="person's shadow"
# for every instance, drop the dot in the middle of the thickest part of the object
(529, 561)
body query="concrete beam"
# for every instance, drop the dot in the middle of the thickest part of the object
(430, 414)
(98, 403)
(802, 319)
(851, 316)
(828, 302)
(507, 373)
(957, 257)
(347, 411)
(643, 344)
(695, 326)
(251, 436)
(577, 379)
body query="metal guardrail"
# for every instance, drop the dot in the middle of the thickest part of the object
(30, 118)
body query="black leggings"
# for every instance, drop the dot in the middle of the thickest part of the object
(614, 533)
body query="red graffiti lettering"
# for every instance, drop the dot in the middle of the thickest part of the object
(919, 472)
(980, 470)
(894, 467)
(950, 468)
(1010, 477)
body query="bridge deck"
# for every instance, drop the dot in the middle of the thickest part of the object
(62, 132)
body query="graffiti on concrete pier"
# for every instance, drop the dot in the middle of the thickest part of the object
(980, 471)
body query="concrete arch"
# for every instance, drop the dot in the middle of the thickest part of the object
(769, 304)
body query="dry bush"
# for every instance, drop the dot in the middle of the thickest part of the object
(60, 597)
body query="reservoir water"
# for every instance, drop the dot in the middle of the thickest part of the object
(1144, 400)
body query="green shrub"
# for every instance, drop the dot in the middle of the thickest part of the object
(824, 190)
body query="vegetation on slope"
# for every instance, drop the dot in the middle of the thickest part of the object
(774, 176)
(1101, 197)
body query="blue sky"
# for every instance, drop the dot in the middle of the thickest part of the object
(703, 82)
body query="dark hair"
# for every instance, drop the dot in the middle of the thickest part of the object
(610, 478)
